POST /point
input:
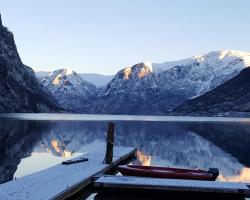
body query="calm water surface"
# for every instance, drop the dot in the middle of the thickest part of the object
(31, 142)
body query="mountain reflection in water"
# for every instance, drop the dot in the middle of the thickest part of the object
(28, 145)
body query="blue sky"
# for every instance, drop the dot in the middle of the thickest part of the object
(105, 36)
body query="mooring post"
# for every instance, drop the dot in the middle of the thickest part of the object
(110, 143)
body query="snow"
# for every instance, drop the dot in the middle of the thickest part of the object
(126, 73)
(213, 57)
(48, 183)
(175, 184)
(58, 76)
(68, 88)
(149, 65)
(169, 83)
(160, 67)
(204, 72)
(98, 80)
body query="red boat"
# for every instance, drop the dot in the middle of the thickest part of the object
(171, 173)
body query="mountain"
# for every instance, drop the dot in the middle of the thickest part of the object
(69, 89)
(149, 88)
(229, 99)
(144, 88)
(205, 72)
(98, 80)
(19, 88)
(127, 92)
(41, 74)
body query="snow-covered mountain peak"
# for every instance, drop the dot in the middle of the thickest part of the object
(228, 53)
(95, 79)
(215, 59)
(138, 70)
(68, 88)
(63, 72)
(66, 77)
(225, 55)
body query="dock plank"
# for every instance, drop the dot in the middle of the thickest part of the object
(54, 182)
(126, 182)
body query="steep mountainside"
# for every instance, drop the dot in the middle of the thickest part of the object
(229, 99)
(147, 88)
(19, 88)
(69, 89)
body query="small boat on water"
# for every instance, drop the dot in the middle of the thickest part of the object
(167, 172)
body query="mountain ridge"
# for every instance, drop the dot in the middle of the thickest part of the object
(99, 80)
(146, 88)
(149, 88)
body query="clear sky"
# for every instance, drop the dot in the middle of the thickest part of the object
(104, 36)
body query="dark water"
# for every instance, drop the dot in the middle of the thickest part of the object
(27, 146)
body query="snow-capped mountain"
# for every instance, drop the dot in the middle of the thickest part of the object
(98, 80)
(209, 70)
(127, 92)
(148, 88)
(144, 88)
(229, 99)
(19, 88)
(69, 89)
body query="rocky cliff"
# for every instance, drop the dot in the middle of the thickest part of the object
(19, 88)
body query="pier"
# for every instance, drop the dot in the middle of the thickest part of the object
(128, 187)
(64, 181)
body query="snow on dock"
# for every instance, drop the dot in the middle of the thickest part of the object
(174, 184)
(55, 182)
(156, 184)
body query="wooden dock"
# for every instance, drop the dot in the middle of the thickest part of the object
(127, 187)
(64, 181)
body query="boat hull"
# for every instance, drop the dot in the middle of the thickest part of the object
(164, 172)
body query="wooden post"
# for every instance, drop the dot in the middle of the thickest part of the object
(110, 143)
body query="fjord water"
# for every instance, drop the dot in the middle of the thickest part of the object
(32, 142)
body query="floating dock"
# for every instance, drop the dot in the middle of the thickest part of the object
(64, 181)
(127, 187)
